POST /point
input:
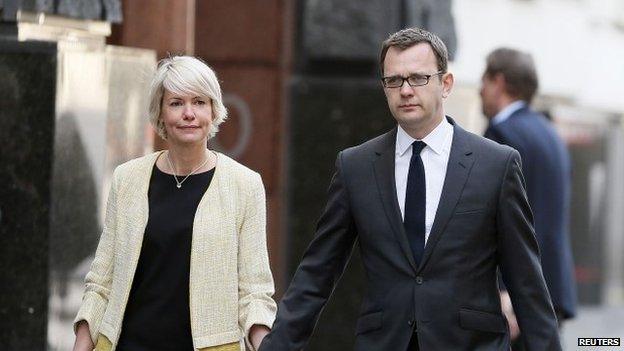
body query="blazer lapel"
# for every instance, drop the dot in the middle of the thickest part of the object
(383, 166)
(460, 163)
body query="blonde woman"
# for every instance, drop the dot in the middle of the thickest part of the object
(182, 262)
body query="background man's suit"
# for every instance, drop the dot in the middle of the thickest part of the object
(546, 168)
(451, 299)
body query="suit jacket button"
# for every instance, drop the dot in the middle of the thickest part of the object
(419, 280)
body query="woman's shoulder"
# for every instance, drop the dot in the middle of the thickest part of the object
(235, 169)
(141, 164)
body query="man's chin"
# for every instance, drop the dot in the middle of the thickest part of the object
(411, 118)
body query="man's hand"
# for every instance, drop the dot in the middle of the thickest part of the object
(257, 334)
(508, 311)
(83, 338)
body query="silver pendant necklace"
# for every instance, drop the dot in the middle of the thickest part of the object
(179, 183)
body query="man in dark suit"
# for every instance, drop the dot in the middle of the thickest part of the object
(435, 211)
(508, 86)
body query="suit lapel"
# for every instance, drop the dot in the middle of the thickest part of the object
(460, 163)
(383, 166)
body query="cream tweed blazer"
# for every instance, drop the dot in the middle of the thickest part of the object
(231, 285)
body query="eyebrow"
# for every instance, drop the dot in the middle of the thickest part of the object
(410, 74)
(180, 98)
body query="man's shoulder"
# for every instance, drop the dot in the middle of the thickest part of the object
(525, 118)
(484, 147)
(491, 158)
(379, 143)
(526, 127)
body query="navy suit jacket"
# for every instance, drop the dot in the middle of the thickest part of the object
(451, 298)
(546, 168)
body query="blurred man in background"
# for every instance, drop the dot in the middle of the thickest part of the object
(508, 86)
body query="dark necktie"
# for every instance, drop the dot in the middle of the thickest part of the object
(415, 203)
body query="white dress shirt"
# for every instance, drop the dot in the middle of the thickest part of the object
(435, 158)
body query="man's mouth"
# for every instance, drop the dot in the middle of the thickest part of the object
(408, 106)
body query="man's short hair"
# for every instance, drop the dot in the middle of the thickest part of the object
(517, 68)
(409, 37)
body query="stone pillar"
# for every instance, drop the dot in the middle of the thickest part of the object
(72, 111)
(26, 109)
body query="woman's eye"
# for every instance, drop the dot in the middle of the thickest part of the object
(200, 102)
(175, 103)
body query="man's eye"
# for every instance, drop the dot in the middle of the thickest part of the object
(417, 78)
(394, 80)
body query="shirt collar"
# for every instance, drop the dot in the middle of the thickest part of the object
(505, 113)
(436, 139)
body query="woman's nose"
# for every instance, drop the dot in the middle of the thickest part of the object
(188, 111)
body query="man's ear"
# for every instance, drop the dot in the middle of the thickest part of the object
(447, 84)
(500, 81)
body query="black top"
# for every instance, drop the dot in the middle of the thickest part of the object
(157, 315)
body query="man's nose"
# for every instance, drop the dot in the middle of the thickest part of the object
(406, 89)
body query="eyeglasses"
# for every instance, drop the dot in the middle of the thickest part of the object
(414, 80)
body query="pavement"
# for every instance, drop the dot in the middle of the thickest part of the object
(594, 322)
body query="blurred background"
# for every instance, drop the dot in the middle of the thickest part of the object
(301, 82)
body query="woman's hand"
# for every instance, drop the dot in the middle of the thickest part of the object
(83, 338)
(257, 334)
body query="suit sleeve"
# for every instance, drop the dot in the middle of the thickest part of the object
(98, 281)
(320, 269)
(495, 134)
(255, 281)
(520, 263)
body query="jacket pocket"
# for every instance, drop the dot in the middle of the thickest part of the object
(468, 211)
(482, 321)
(368, 322)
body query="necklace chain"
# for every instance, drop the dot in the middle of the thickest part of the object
(179, 183)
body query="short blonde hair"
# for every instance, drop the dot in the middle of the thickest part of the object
(185, 75)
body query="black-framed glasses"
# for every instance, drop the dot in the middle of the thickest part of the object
(414, 80)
